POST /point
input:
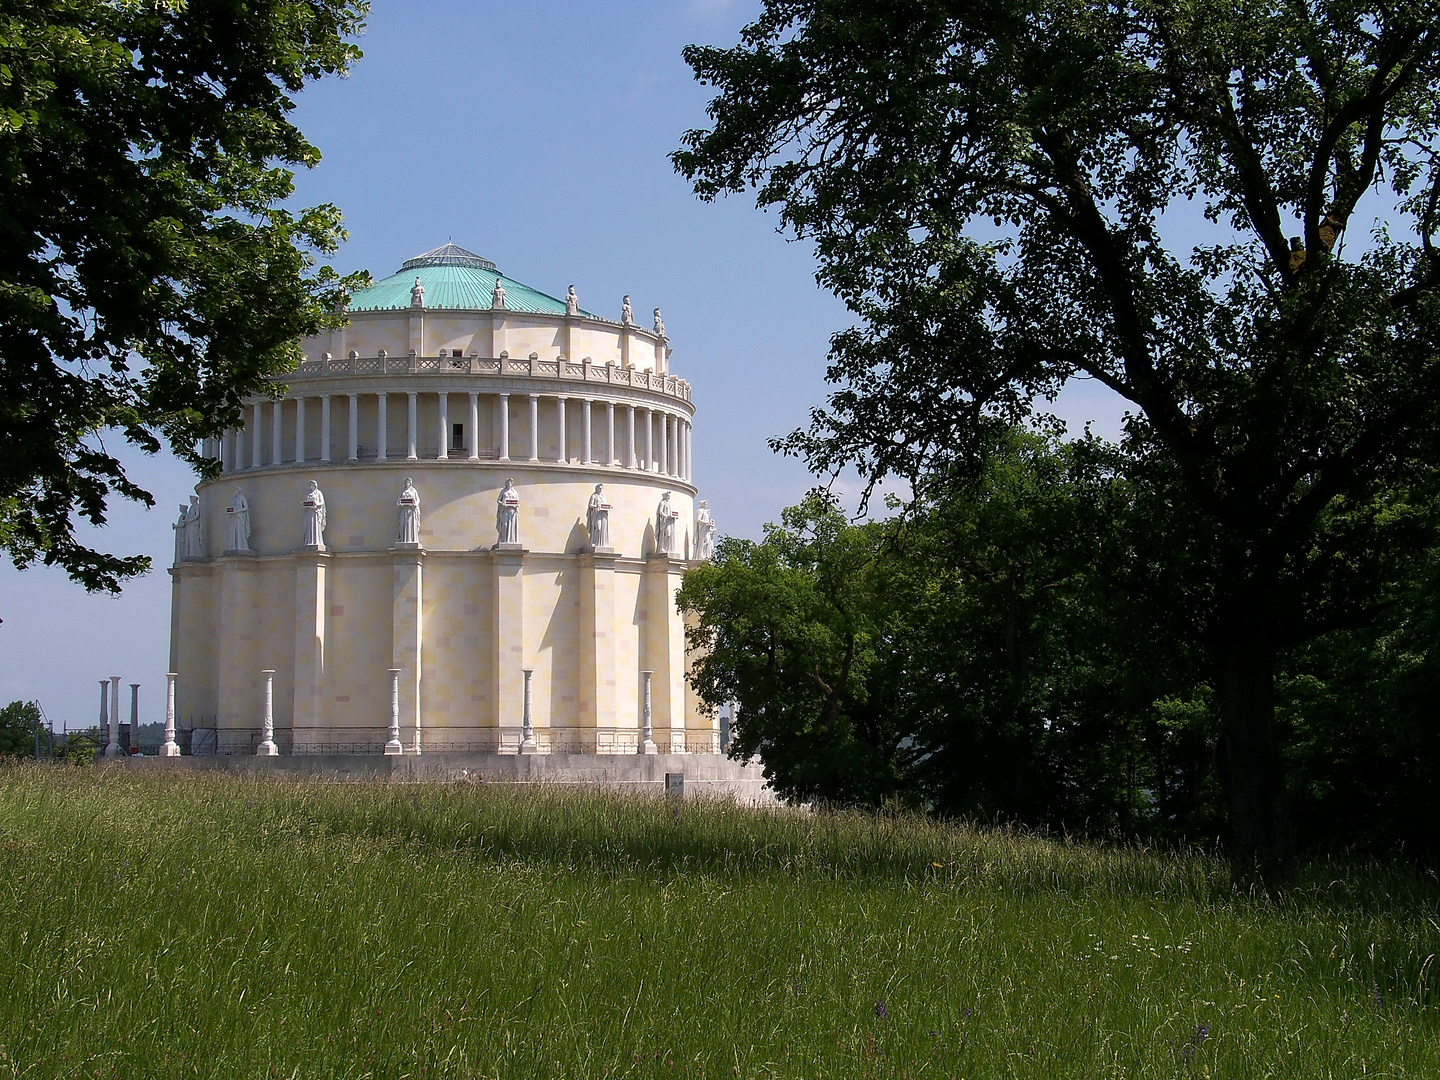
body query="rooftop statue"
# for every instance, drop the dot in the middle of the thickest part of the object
(417, 293)
(572, 302)
(497, 298)
(659, 324)
(626, 316)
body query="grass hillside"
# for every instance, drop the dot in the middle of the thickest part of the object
(196, 926)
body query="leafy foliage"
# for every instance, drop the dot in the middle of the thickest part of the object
(19, 721)
(149, 277)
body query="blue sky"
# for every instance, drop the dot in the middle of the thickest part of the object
(535, 135)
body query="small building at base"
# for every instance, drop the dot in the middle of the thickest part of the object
(460, 528)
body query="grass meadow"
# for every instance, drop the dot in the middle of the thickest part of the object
(193, 925)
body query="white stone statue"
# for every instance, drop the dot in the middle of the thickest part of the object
(572, 302)
(665, 517)
(659, 324)
(314, 506)
(237, 517)
(597, 518)
(626, 316)
(507, 514)
(497, 298)
(409, 504)
(417, 293)
(194, 529)
(180, 547)
(704, 532)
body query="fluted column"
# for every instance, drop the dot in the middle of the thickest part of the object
(561, 457)
(534, 427)
(276, 450)
(504, 427)
(444, 453)
(299, 430)
(324, 427)
(410, 454)
(474, 429)
(585, 431)
(382, 435)
(352, 441)
(609, 433)
(255, 439)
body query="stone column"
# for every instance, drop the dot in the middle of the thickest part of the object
(610, 433)
(352, 441)
(665, 444)
(407, 632)
(561, 457)
(393, 747)
(504, 427)
(649, 440)
(630, 419)
(444, 403)
(647, 726)
(170, 748)
(114, 749)
(585, 455)
(382, 437)
(134, 747)
(225, 455)
(534, 427)
(410, 428)
(267, 747)
(299, 430)
(277, 452)
(473, 433)
(309, 711)
(527, 721)
(324, 427)
(255, 439)
(597, 644)
(507, 633)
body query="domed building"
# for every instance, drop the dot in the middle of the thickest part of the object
(461, 528)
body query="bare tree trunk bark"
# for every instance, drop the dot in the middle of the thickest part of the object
(1262, 840)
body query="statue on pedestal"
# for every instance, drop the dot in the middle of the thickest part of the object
(194, 529)
(507, 514)
(626, 316)
(665, 518)
(417, 293)
(409, 504)
(572, 302)
(314, 506)
(597, 519)
(704, 532)
(180, 547)
(237, 516)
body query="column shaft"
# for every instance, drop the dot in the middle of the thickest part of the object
(255, 439)
(561, 456)
(504, 427)
(473, 432)
(665, 443)
(649, 440)
(352, 441)
(444, 402)
(585, 432)
(630, 444)
(534, 427)
(410, 428)
(609, 433)
(299, 429)
(325, 427)
(276, 450)
(382, 436)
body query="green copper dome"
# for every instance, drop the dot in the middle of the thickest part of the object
(454, 280)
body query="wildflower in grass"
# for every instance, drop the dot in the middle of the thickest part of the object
(880, 1010)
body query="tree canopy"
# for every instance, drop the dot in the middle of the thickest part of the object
(997, 191)
(150, 276)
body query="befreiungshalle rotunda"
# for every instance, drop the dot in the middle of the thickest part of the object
(461, 528)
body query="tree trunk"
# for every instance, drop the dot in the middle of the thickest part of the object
(1251, 767)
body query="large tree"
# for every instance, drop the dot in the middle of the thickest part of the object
(999, 191)
(150, 276)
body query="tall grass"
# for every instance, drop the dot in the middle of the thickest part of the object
(206, 926)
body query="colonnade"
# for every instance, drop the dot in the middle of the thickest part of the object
(648, 439)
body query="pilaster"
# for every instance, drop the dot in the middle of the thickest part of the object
(309, 714)
(664, 651)
(598, 646)
(406, 637)
(238, 653)
(507, 634)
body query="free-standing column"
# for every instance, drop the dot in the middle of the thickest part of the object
(647, 727)
(527, 721)
(407, 632)
(170, 748)
(473, 431)
(114, 749)
(630, 442)
(267, 747)
(410, 428)
(134, 747)
(324, 427)
(299, 429)
(277, 453)
(444, 427)
(649, 465)
(504, 427)
(225, 455)
(585, 431)
(561, 456)
(534, 427)
(665, 443)
(609, 433)
(393, 747)
(352, 441)
(255, 439)
(382, 437)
